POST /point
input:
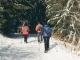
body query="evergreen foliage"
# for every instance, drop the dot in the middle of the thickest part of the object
(64, 16)
(14, 13)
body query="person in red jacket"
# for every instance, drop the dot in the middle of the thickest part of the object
(25, 31)
(38, 30)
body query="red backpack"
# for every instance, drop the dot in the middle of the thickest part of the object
(26, 28)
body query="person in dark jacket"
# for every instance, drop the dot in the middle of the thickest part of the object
(46, 32)
(25, 31)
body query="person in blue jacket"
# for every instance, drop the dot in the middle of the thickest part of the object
(46, 32)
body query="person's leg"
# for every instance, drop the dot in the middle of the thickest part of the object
(38, 37)
(41, 38)
(45, 43)
(25, 38)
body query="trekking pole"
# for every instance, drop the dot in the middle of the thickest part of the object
(39, 44)
(35, 37)
(39, 47)
(51, 39)
(51, 36)
(21, 39)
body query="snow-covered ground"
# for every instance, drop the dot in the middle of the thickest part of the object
(14, 48)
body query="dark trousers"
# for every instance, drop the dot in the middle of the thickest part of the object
(46, 43)
(25, 38)
(40, 37)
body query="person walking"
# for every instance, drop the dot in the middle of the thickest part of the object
(25, 31)
(46, 32)
(38, 30)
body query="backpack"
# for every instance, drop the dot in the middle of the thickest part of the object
(39, 27)
(26, 29)
(47, 32)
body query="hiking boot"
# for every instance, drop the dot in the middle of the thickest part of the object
(26, 42)
(48, 49)
(45, 51)
(39, 42)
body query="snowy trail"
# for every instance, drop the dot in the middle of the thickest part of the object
(15, 49)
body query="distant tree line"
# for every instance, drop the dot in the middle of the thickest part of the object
(14, 12)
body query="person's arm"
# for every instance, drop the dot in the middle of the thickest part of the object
(50, 31)
(36, 28)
